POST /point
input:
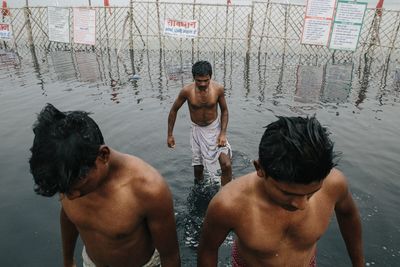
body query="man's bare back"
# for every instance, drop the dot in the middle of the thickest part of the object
(119, 205)
(111, 220)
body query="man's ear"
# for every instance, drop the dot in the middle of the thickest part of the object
(260, 171)
(104, 153)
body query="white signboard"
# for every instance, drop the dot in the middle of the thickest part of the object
(58, 21)
(318, 22)
(5, 31)
(347, 25)
(84, 26)
(181, 28)
(320, 8)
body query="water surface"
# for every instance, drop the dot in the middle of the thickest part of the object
(358, 100)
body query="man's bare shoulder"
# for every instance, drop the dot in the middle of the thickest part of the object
(335, 184)
(217, 86)
(142, 177)
(234, 195)
(187, 89)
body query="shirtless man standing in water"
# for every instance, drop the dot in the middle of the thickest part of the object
(208, 132)
(119, 205)
(280, 211)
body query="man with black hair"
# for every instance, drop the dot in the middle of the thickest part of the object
(279, 212)
(119, 205)
(210, 147)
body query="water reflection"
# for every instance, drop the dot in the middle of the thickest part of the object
(87, 67)
(364, 72)
(306, 80)
(176, 71)
(140, 83)
(309, 83)
(8, 58)
(63, 65)
(338, 79)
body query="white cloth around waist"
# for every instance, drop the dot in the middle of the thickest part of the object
(205, 149)
(153, 262)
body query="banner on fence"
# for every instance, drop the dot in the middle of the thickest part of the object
(318, 22)
(181, 28)
(5, 31)
(347, 25)
(84, 26)
(58, 21)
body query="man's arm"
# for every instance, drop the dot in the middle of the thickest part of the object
(216, 227)
(350, 226)
(69, 235)
(161, 223)
(172, 117)
(224, 118)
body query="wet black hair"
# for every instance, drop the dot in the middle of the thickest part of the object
(65, 147)
(296, 150)
(201, 68)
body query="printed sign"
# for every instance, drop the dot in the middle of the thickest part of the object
(5, 31)
(347, 25)
(58, 19)
(84, 26)
(181, 28)
(318, 22)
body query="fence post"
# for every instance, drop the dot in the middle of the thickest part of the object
(250, 29)
(28, 25)
(193, 17)
(226, 28)
(132, 55)
(130, 24)
(158, 23)
(30, 36)
(267, 12)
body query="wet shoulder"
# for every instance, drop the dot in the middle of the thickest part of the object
(236, 194)
(144, 179)
(335, 184)
(187, 90)
(217, 87)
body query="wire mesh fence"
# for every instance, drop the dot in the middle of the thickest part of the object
(258, 28)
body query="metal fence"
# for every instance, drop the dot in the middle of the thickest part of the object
(260, 28)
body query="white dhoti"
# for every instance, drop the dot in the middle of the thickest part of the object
(153, 262)
(205, 150)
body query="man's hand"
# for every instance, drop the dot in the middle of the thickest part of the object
(171, 141)
(221, 141)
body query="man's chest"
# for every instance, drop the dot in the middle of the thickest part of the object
(269, 233)
(114, 221)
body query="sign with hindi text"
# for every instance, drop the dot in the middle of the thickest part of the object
(5, 31)
(181, 28)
